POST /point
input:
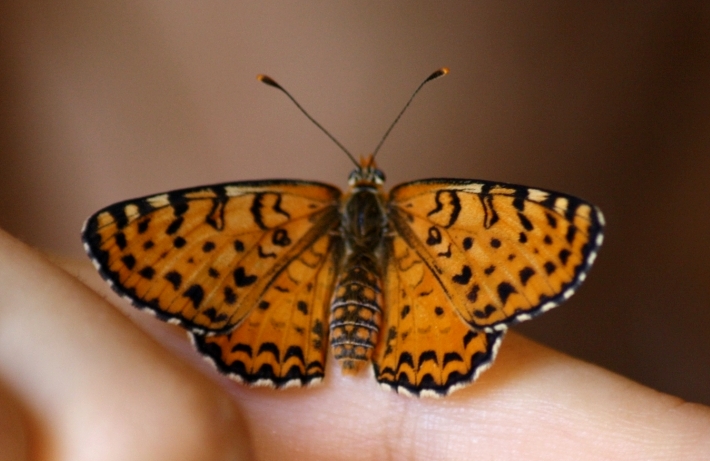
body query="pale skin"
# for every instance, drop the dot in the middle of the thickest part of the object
(80, 380)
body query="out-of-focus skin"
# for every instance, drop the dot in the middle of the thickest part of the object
(80, 381)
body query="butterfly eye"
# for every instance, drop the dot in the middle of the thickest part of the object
(354, 177)
(379, 176)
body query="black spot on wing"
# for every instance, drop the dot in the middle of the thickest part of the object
(525, 274)
(434, 236)
(427, 356)
(195, 293)
(129, 261)
(571, 232)
(281, 238)
(265, 371)
(405, 358)
(451, 357)
(464, 277)
(120, 239)
(485, 313)
(143, 225)
(551, 220)
(147, 272)
(174, 278)
(473, 294)
(564, 255)
(257, 205)
(269, 348)
(549, 201)
(428, 382)
(119, 216)
(467, 243)
(215, 218)
(405, 311)
(505, 289)
(470, 335)
(211, 313)
(230, 297)
(175, 225)
(295, 351)
(454, 202)
(572, 204)
(241, 347)
(527, 225)
(241, 279)
(403, 380)
(490, 215)
(179, 203)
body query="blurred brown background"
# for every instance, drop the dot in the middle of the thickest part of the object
(607, 100)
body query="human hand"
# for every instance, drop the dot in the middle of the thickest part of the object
(80, 381)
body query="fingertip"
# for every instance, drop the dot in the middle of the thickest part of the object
(14, 437)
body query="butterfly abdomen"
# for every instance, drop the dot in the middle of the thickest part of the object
(356, 310)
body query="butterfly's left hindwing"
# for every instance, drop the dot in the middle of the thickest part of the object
(500, 253)
(205, 257)
(284, 341)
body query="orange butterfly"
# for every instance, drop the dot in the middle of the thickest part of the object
(423, 282)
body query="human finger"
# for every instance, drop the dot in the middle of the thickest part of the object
(96, 386)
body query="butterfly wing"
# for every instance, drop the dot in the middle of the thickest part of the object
(284, 341)
(500, 253)
(425, 348)
(206, 257)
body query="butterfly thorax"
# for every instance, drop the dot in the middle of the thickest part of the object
(356, 310)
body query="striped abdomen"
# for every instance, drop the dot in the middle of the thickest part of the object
(356, 312)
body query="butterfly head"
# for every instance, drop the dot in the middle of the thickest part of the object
(366, 174)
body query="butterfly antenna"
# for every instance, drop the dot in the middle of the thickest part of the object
(271, 82)
(439, 73)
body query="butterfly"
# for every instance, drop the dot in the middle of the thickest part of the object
(421, 282)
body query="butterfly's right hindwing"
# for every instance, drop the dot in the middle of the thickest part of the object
(425, 348)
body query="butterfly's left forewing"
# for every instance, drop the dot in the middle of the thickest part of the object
(204, 257)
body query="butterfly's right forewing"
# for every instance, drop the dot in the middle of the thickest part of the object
(502, 253)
